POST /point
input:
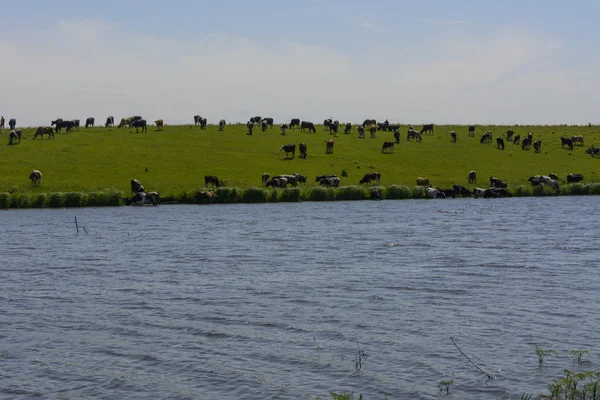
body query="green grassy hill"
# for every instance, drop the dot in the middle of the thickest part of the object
(178, 157)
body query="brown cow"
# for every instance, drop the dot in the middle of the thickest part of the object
(159, 124)
(423, 182)
(44, 130)
(329, 147)
(472, 177)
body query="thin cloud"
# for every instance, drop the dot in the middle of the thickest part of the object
(508, 76)
(369, 26)
(442, 21)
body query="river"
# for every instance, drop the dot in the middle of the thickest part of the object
(292, 301)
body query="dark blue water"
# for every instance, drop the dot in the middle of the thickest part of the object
(274, 301)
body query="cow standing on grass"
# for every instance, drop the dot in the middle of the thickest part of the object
(303, 151)
(36, 178)
(453, 136)
(329, 147)
(388, 147)
(222, 124)
(211, 179)
(472, 176)
(471, 130)
(110, 121)
(89, 122)
(289, 149)
(373, 176)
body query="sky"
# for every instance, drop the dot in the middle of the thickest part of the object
(414, 62)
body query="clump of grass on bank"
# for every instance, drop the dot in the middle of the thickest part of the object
(229, 195)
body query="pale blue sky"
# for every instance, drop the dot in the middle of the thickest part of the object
(409, 61)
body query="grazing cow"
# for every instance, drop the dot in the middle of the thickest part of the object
(530, 136)
(330, 181)
(526, 143)
(453, 137)
(89, 122)
(76, 123)
(369, 122)
(573, 178)
(301, 178)
(461, 191)
(423, 182)
(577, 139)
(110, 121)
(269, 121)
(284, 128)
(36, 178)
(471, 130)
(257, 119)
(499, 143)
(140, 123)
(2, 122)
(250, 126)
(44, 130)
(497, 183)
(15, 136)
(222, 124)
(303, 150)
(277, 182)
(447, 192)
(333, 128)
(388, 147)
(397, 136)
(307, 125)
(478, 192)
(159, 124)
(292, 180)
(289, 149)
(203, 122)
(427, 128)
(593, 151)
(329, 147)
(517, 139)
(486, 137)
(136, 186)
(211, 179)
(472, 176)
(197, 119)
(372, 130)
(373, 176)
(535, 180)
(434, 193)
(542, 180)
(327, 123)
(496, 193)
(12, 123)
(294, 122)
(124, 121)
(553, 176)
(319, 177)
(361, 131)
(265, 178)
(537, 145)
(263, 126)
(143, 198)
(509, 134)
(413, 134)
(348, 129)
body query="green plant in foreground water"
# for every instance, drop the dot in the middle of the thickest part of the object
(578, 354)
(575, 386)
(445, 385)
(543, 353)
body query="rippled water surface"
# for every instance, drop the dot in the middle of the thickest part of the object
(274, 301)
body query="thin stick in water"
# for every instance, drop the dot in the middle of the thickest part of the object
(476, 366)
(76, 226)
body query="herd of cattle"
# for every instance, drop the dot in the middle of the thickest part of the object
(498, 188)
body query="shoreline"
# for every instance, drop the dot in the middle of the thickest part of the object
(255, 195)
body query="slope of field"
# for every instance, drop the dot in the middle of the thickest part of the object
(178, 157)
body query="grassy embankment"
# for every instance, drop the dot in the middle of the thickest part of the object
(177, 158)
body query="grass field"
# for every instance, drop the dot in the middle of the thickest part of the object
(178, 157)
